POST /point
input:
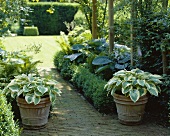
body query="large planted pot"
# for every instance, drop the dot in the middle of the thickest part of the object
(34, 116)
(130, 113)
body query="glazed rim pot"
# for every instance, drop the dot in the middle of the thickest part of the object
(34, 116)
(130, 113)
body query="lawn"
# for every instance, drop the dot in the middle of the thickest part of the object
(48, 47)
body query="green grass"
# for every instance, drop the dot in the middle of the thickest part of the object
(48, 47)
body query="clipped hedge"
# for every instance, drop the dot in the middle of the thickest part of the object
(91, 85)
(30, 31)
(7, 125)
(52, 24)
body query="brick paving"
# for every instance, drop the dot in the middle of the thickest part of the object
(72, 115)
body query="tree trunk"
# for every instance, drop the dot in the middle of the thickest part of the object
(111, 28)
(94, 20)
(164, 53)
(134, 47)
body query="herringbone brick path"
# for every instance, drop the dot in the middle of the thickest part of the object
(72, 115)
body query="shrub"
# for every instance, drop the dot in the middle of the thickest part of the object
(7, 125)
(52, 22)
(93, 88)
(31, 31)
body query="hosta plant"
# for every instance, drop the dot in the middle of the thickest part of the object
(32, 88)
(134, 83)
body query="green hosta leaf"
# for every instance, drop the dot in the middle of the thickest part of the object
(20, 92)
(29, 98)
(25, 89)
(101, 60)
(52, 97)
(102, 68)
(42, 89)
(36, 99)
(141, 82)
(134, 95)
(153, 91)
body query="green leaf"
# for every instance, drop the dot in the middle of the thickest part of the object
(153, 91)
(141, 82)
(25, 89)
(55, 90)
(142, 91)
(134, 95)
(36, 99)
(42, 89)
(14, 88)
(52, 97)
(126, 90)
(101, 60)
(29, 98)
(113, 91)
(118, 82)
(125, 84)
(37, 93)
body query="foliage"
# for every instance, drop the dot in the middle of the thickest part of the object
(12, 11)
(31, 31)
(13, 64)
(78, 35)
(63, 65)
(82, 78)
(32, 87)
(134, 83)
(92, 87)
(7, 125)
(86, 8)
(52, 23)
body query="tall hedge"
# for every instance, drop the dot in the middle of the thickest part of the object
(52, 24)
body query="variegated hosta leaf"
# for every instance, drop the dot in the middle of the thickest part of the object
(14, 88)
(126, 90)
(142, 91)
(52, 96)
(118, 82)
(141, 82)
(159, 89)
(134, 95)
(153, 91)
(125, 84)
(19, 92)
(42, 89)
(147, 85)
(36, 99)
(25, 89)
(29, 98)
(56, 91)
(113, 91)
(37, 93)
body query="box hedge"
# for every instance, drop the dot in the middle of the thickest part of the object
(91, 85)
(52, 24)
(7, 125)
(31, 31)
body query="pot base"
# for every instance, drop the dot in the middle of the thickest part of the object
(130, 113)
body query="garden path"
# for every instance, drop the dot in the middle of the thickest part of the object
(72, 115)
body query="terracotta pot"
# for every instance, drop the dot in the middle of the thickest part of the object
(34, 116)
(130, 113)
